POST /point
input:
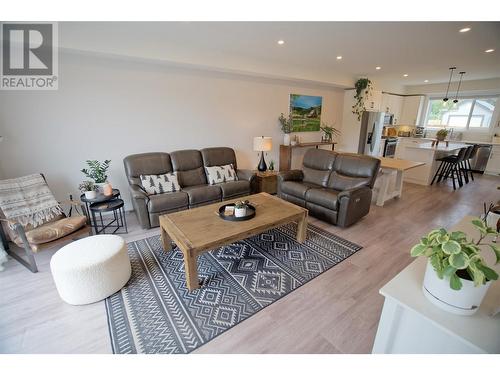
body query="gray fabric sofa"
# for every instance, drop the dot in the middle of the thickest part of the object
(334, 187)
(190, 168)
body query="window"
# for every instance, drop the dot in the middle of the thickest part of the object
(468, 113)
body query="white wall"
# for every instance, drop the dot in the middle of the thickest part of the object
(107, 108)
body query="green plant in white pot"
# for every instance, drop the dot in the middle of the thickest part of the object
(97, 172)
(457, 276)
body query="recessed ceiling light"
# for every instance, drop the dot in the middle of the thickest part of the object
(489, 50)
(465, 29)
(281, 42)
(378, 68)
(339, 57)
(426, 80)
(405, 75)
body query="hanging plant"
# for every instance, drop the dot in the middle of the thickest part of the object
(363, 88)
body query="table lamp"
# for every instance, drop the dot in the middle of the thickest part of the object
(262, 144)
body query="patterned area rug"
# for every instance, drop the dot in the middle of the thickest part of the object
(155, 313)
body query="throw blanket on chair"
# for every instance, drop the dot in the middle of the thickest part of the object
(28, 200)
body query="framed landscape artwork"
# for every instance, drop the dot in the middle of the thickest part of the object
(305, 112)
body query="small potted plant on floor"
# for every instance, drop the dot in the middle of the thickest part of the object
(286, 127)
(240, 208)
(441, 134)
(97, 172)
(88, 188)
(457, 276)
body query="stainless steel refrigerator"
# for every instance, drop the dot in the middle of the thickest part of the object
(370, 135)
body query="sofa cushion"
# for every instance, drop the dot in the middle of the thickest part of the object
(160, 183)
(234, 188)
(167, 201)
(53, 230)
(220, 173)
(218, 156)
(203, 193)
(353, 170)
(189, 167)
(297, 189)
(317, 166)
(323, 197)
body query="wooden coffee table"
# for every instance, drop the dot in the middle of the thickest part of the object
(201, 229)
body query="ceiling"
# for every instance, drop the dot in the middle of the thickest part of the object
(423, 50)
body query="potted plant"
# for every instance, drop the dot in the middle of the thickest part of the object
(97, 172)
(286, 127)
(271, 165)
(457, 276)
(441, 134)
(240, 208)
(363, 88)
(329, 132)
(88, 188)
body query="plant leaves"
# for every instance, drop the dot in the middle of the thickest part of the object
(455, 282)
(479, 223)
(417, 250)
(489, 273)
(459, 260)
(458, 236)
(436, 264)
(449, 270)
(451, 247)
(496, 250)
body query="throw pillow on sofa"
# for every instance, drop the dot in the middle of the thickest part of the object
(160, 183)
(222, 173)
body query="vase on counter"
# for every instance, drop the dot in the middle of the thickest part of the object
(286, 139)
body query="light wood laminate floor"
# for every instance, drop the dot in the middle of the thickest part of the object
(337, 312)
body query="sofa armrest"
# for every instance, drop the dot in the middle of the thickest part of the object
(293, 175)
(140, 203)
(246, 174)
(353, 205)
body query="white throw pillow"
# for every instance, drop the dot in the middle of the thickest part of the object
(160, 183)
(221, 173)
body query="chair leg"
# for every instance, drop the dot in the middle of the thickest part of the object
(465, 173)
(470, 170)
(452, 170)
(437, 172)
(444, 171)
(30, 261)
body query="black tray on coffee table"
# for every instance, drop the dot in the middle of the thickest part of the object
(250, 213)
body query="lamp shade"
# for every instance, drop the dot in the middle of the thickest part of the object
(262, 144)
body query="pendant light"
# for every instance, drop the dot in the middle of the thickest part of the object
(445, 99)
(458, 88)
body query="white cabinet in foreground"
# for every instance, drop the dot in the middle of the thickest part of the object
(411, 324)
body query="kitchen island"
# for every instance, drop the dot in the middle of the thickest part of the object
(426, 153)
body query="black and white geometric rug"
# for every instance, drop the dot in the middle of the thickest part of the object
(155, 313)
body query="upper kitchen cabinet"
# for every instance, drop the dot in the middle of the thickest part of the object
(412, 109)
(374, 101)
(392, 104)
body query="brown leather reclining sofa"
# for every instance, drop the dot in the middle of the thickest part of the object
(195, 190)
(334, 187)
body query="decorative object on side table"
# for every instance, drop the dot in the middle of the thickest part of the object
(441, 135)
(271, 165)
(97, 172)
(286, 127)
(457, 277)
(363, 88)
(262, 144)
(89, 189)
(329, 132)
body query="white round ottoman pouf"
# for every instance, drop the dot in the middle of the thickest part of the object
(91, 269)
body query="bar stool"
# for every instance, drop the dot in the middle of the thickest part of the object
(450, 167)
(465, 164)
(471, 156)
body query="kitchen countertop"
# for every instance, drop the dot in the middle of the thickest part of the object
(441, 147)
(454, 141)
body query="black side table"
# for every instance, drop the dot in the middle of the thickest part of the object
(118, 221)
(100, 198)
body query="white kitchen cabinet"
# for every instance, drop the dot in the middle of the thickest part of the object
(493, 166)
(392, 104)
(412, 109)
(374, 101)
